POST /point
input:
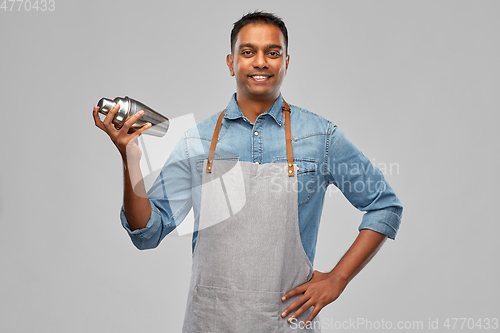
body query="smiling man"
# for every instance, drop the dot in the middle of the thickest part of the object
(256, 175)
(259, 62)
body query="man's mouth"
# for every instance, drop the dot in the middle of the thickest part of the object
(260, 77)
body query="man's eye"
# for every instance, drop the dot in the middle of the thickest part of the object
(274, 54)
(246, 52)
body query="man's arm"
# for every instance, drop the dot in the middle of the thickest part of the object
(149, 216)
(324, 288)
(136, 204)
(366, 189)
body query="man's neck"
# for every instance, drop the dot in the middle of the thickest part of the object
(252, 108)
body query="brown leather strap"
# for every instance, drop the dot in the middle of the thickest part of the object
(211, 152)
(288, 138)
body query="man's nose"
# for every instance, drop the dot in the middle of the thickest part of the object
(260, 60)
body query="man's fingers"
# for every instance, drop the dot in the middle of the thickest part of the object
(136, 116)
(97, 119)
(299, 290)
(136, 134)
(144, 128)
(295, 304)
(301, 310)
(313, 314)
(108, 121)
(141, 130)
(131, 120)
(124, 136)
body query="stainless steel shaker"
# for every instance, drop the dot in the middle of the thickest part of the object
(129, 107)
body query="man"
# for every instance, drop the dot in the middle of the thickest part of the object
(256, 175)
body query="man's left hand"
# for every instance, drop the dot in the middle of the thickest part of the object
(321, 290)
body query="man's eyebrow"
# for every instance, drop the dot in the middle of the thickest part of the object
(270, 46)
(274, 46)
(246, 45)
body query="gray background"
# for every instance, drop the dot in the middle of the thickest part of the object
(412, 83)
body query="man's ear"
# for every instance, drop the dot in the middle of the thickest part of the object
(229, 62)
(287, 61)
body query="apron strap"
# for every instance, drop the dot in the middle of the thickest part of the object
(211, 152)
(288, 138)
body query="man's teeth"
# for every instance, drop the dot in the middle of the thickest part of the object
(258, 77)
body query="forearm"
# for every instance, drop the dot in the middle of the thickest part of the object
(136, 205)
(359, 254)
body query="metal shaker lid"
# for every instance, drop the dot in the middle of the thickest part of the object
(105, 105)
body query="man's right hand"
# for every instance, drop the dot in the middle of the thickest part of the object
(125, 138)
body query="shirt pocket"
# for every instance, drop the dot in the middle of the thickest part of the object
(200, 162)
(306, 176)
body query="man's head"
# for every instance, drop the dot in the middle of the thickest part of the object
(258, 58)
(258, 17)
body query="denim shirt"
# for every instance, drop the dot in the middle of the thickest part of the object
(321, 152)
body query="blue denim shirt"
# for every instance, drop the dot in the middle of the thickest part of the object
(322, 153)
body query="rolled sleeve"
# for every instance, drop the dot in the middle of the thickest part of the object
(147, 237)
(363, 185)
(150, 228)
(384, 221)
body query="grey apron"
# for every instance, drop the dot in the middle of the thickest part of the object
(248, 252)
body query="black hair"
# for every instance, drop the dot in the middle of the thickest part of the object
(258, 17)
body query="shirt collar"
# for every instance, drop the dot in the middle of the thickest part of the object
(234, 112)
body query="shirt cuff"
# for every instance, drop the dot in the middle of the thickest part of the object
(382, 221)
(149, 230)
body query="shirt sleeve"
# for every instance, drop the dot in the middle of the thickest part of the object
(363, 185)
(170, 199)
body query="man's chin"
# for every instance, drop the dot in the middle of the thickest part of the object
(264, 95)
(263, 92)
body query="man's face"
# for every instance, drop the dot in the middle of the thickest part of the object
(259, 62)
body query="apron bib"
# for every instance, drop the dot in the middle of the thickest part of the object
(248, 252)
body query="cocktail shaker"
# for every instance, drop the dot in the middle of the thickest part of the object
(129, 107)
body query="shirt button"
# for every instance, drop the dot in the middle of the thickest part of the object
(256, 133)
